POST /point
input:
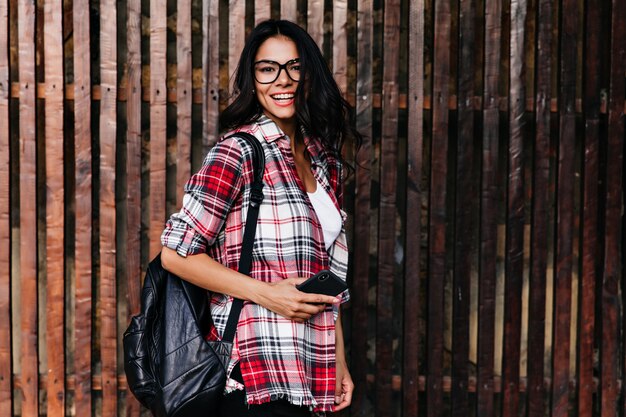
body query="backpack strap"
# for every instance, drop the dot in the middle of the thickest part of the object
(256, 197)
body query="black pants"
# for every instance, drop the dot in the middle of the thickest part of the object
(234, 405)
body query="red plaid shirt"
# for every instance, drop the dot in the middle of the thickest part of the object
(279, 358)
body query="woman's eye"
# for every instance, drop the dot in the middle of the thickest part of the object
(266, 69)
(295, 68)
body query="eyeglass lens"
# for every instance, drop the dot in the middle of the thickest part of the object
(267, 72)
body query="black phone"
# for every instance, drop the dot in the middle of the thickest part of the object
(324, 282)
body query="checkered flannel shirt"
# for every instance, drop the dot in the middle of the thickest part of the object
(279, 358)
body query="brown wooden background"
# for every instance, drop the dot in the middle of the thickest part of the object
(487, 206)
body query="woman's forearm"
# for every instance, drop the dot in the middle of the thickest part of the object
(205, 272)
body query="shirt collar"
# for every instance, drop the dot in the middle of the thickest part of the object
(271, 132)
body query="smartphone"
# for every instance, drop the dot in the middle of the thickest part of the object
(324, 282)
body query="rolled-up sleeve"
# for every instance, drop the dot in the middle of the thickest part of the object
(209, 196)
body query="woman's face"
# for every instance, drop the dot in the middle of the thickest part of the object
(277, 97)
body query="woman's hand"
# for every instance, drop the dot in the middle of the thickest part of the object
(285, 299)
(344, 387)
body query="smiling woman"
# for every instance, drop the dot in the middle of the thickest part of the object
(275, 88)
(289, 356)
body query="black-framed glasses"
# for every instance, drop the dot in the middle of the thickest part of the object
(266, 71)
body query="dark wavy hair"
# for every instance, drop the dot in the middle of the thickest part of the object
(320, 108)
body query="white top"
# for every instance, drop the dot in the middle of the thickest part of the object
(327, 213)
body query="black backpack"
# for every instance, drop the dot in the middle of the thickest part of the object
(170, 366)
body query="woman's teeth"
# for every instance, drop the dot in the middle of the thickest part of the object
(283, 97)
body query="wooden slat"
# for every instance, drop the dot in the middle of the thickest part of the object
(514, 262)
(183, 74)
(289, 10)
(540, 215)
(387, 211)
(488, 217)
(158, 42)
(415, 137)
(340, 44)
(236, 35)
(612, 271)
(83, 201)
(589, 234)
(315, 21)
(28, 208)
(437, 209)
(107, 136)
(55, 213)
(565, 213)
(6, 395)
(465, 211)
(262, 10)
(210, 73)
(362, 216)
(133, 170)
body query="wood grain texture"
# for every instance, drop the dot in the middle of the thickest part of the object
(387, 211)
(6, 394)
(133, 171)
(236, 37)
(540, 217)
(589, 238)
(262, 9)
(210, 73)
(466, 211)
(340, 44)
(28, 209)
(55, 210)
(488, 218)
(107, 300)
(158, 139)
(415, 147)
(437, 209)
(183, 102)
(565, 213)
(362, 216)
(613, 268)
(514, 262)
(315, 21)
(289, 10)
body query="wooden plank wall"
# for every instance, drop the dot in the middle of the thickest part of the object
(486, 201)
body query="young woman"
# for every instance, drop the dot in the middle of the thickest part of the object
(288, 356)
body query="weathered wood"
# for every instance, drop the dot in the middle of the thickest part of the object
(589, 233)
(236, 36)
(262, 11)
(514, 263)
(315, 21)
(565, 213)
(83, 211)
(465, 211)
(6, 394)
(158, 68)
(387, 210)
(362, 216)
(55, 211)
(210, 74)
(107, 300)
(415, 139)
(488, 218)
(540, 215)
(289, 10)
(133, 171)
(437, 220)
(340, 44)
(28, 365)
(183, 80)
(613, 267)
